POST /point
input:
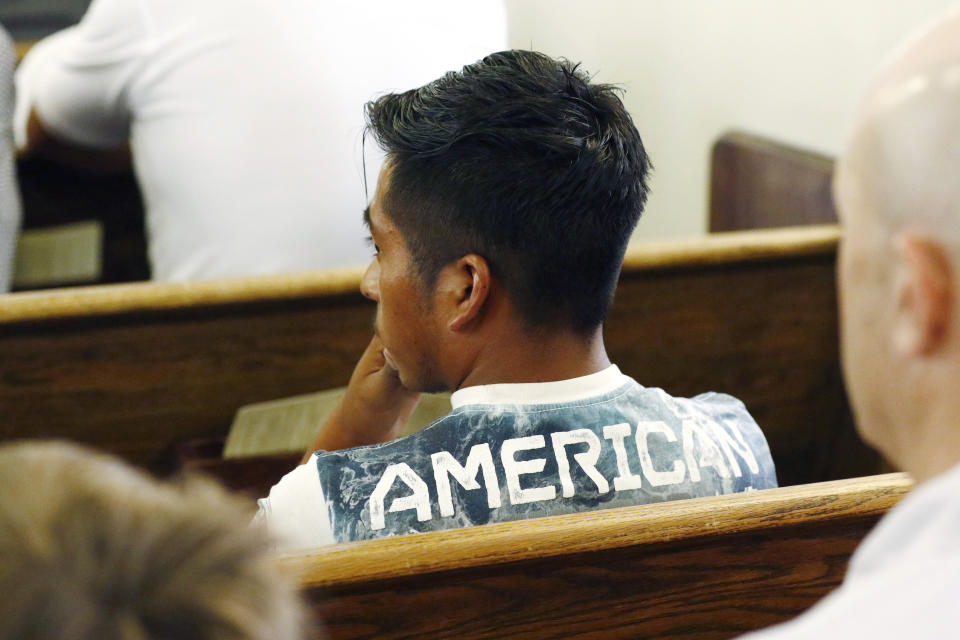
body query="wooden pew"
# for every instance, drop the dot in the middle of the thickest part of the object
(705, 568)
(136, 368)
(756, 183)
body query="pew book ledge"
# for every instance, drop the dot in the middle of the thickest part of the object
(728, 247)
(365, 561)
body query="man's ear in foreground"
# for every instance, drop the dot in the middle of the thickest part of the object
(463, 291)
(923, 290)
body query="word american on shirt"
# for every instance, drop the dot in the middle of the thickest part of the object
(717, 451)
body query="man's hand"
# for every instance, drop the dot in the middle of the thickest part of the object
(374, 409)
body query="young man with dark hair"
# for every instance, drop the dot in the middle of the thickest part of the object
(500, 222)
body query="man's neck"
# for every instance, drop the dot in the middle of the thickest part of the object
(930, 451)
(548, 358)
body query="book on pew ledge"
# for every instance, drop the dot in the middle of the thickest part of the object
(60, 255)
(290, 424)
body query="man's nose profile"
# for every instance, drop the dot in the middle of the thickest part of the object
(369, 285)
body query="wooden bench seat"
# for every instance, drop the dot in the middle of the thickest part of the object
(134, 369)
(704, 568)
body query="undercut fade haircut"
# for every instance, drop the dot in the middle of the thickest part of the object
(519, 159)
(92, 549)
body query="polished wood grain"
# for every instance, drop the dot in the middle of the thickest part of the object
(149, 297)
(136, 383)
(756, 183)
(600, 530)
(703, 568)
(136, 368)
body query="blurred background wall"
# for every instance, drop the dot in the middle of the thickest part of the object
(692, 69)
(789, 69)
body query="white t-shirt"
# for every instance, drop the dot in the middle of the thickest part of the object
(516, 451)
(245, 116)
(904, 579)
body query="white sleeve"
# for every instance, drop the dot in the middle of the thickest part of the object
(295, 513)
(80, 79)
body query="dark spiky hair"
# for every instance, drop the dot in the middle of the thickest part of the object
(520, 159)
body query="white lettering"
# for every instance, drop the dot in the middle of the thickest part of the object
(657, 478)
(444, 466)
(710, 455)
(514, 469)
(586, 459)
(627, 479)
(419, 499)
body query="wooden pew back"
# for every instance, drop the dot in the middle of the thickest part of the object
(752, 314)
(136, 368)
(756, 183)
(704, 568)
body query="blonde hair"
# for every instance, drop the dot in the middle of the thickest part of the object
(92, 549)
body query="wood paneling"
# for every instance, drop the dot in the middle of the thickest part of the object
(136, 368)
(135, 383)
(762, 327)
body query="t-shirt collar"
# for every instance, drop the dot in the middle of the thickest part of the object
(557, 392)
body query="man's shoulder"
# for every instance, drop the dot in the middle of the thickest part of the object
(495, 422)
(711, 405)
(442, 428)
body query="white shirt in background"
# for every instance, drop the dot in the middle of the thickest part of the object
(245, 116)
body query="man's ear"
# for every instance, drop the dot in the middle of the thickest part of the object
(464, 286)
(923, 286)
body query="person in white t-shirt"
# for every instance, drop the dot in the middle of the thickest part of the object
(898, 192)
(243, 118)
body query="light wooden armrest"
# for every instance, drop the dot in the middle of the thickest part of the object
(600, 530)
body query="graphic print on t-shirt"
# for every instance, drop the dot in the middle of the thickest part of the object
(494, 463)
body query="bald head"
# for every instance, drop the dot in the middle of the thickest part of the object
(898, 193)
(902, 164)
